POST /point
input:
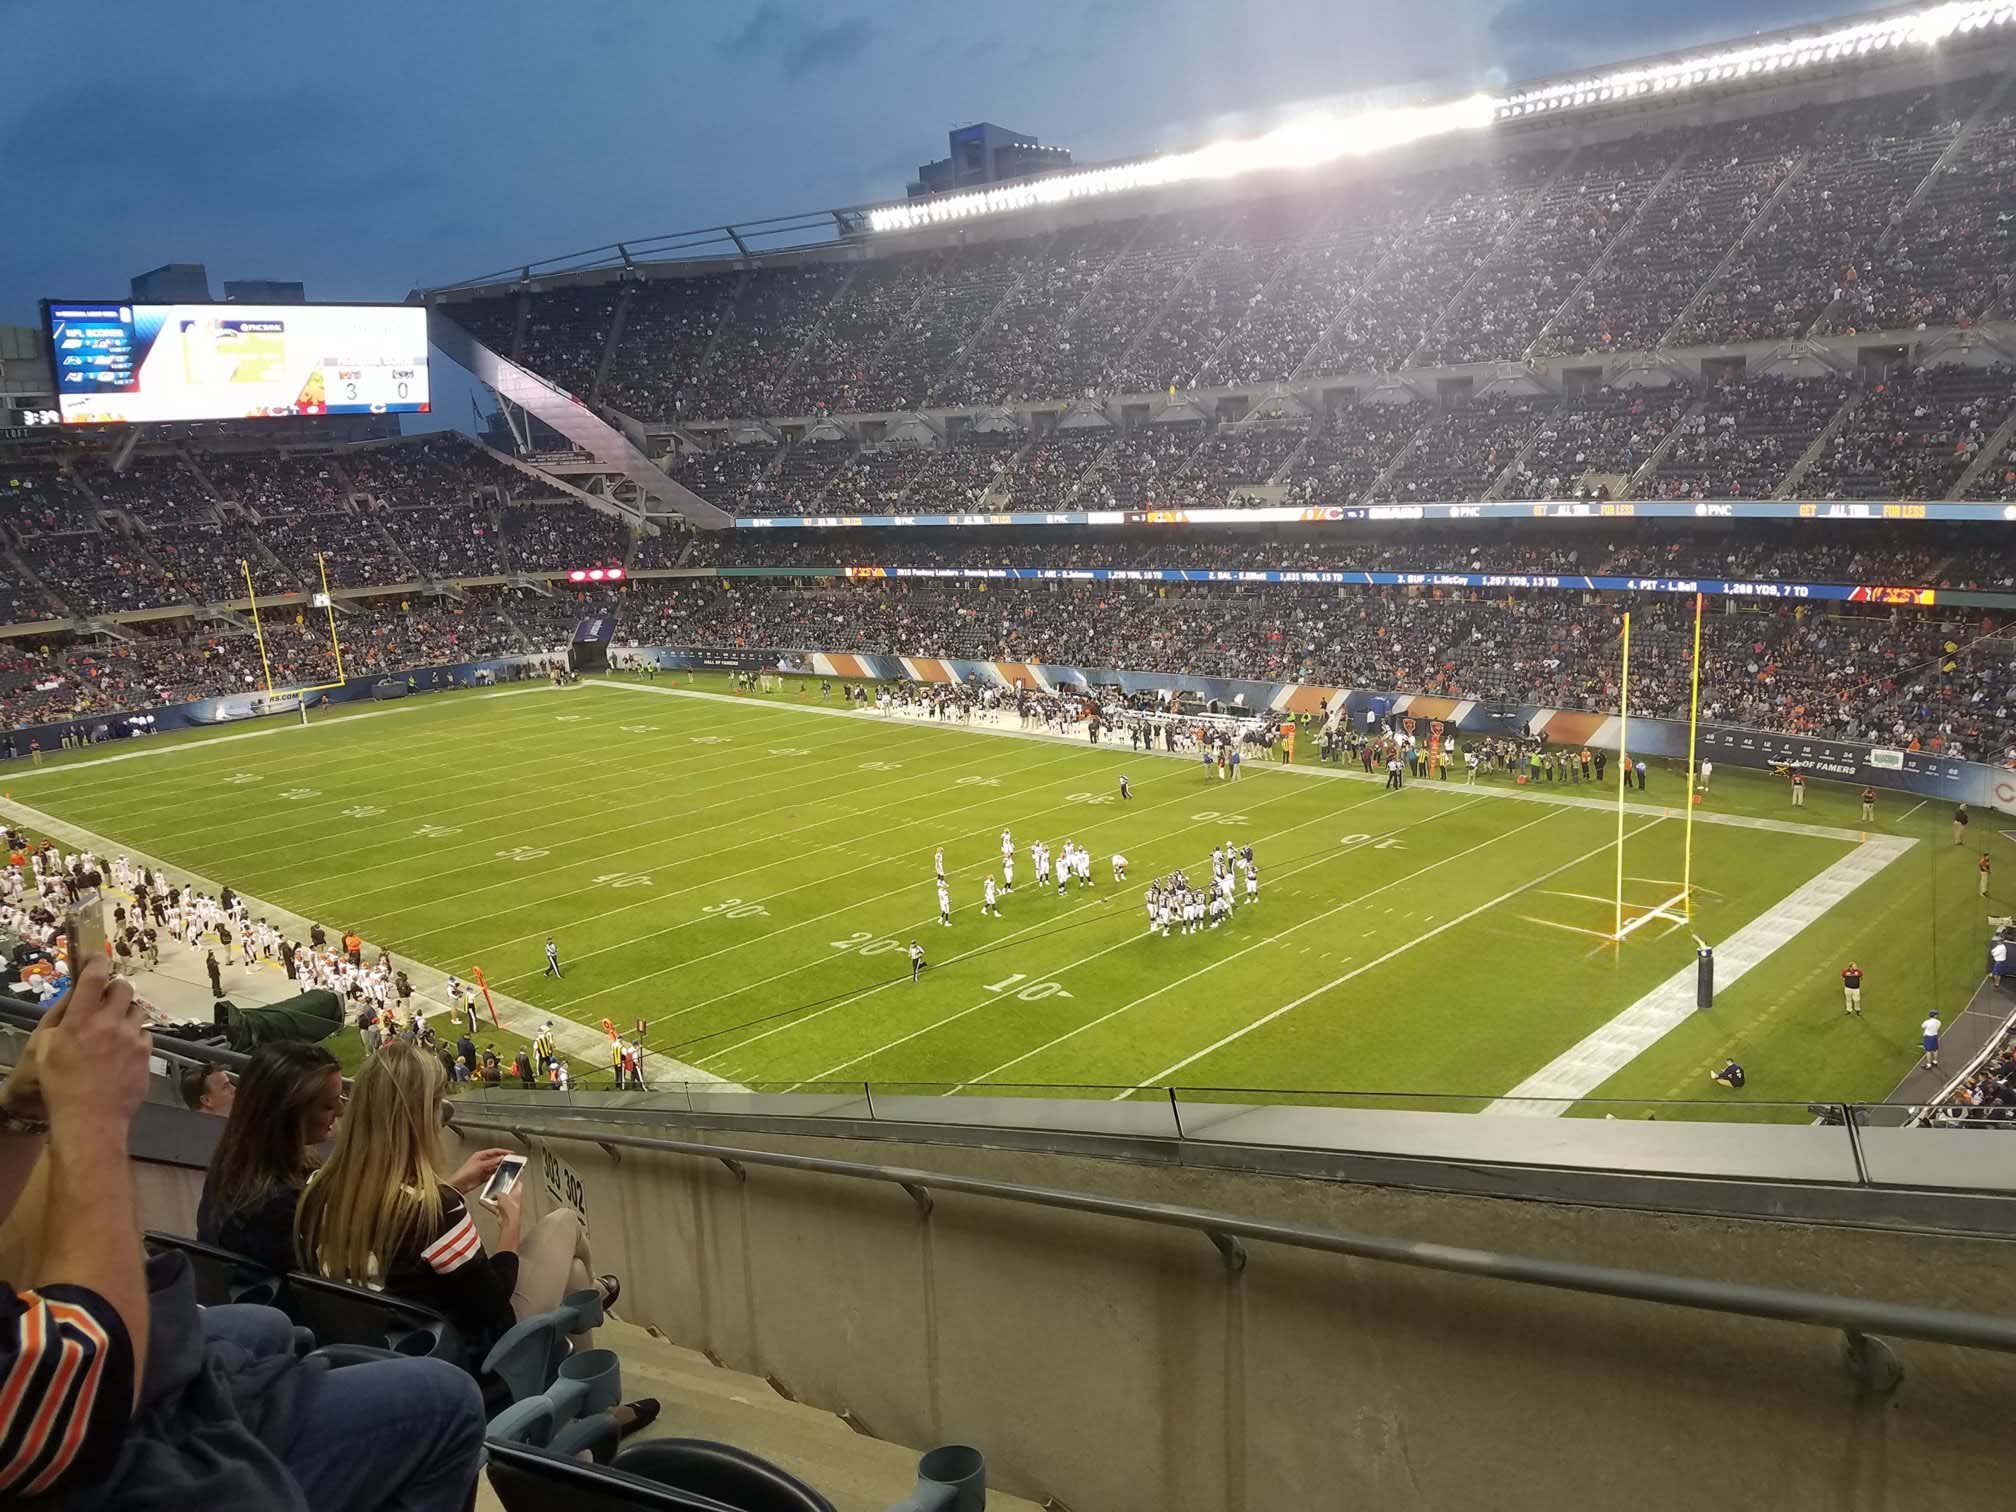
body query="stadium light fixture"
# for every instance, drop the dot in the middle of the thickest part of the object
(1316, 140)
(1922, 28)
(1305, 143)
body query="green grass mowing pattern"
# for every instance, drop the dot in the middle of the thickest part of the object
(745, 876)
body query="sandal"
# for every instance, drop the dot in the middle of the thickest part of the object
(611, 1288)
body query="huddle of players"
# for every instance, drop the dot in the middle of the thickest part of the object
(1073, 861)
(1171, 901)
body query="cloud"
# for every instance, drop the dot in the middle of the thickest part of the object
(797, 46)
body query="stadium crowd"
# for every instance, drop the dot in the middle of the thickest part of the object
(1805, 221)
(1881, 676)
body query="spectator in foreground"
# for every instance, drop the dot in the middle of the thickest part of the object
(289, 1099)
(142, 1400)
(382, 1213)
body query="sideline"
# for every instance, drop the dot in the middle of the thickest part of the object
(1593, 1060)
(586, 1045)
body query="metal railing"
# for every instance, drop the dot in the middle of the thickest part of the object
(1860, 1321)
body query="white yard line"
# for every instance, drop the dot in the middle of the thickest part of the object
(1357, 971)
(213, 741)
(924, 923)
(575, 1039)
(1584, 1067)
(604, 857)
(1348, 904)
(784, 892)
(1319, 773)
(634, 768)
(992, 944)
(301, 821)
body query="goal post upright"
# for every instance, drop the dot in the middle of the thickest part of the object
(1693, 731)
(329, 607)
(258, 630)
(1623, 765)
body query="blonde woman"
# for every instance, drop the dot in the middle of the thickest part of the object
(380, 1213)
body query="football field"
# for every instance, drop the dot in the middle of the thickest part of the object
(746, 872)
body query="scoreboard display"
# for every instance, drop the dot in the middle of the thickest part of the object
(116, 362)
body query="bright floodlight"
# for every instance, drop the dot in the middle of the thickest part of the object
(1322, 139)
(1305, 143)
(1924, 28)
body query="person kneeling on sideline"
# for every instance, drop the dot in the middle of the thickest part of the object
(1730, 1076)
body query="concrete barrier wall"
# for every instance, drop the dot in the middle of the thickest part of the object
(1115, 1365)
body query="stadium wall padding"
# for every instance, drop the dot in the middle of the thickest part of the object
(232, 708)
(1921, 773)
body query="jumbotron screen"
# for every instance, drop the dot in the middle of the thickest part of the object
(117, 362)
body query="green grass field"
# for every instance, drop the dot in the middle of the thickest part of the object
(746, 873)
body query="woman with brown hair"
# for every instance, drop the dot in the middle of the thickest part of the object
(288, 1100)
(380, 1213)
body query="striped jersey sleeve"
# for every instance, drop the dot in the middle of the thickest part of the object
(66, 1389)
(458, 1243)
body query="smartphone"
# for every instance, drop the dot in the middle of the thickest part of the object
(505, 1177)
(84, 924)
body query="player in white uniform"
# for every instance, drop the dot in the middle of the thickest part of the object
(1084, 866)
(1008, 871)
(938, 864)
(1119, 867)
(944, 904)
(1252, 882)
(987, 905)
(1040, 859)
(1063, 868)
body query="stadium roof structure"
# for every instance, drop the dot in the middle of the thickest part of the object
(1854, 54)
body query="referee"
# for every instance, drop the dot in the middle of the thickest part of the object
(916, 962)
(552, 958)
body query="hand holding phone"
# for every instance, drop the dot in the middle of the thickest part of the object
(84, 927)
(503, 1179)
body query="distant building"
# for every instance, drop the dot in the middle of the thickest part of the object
(172, 283)
(986, 154)
(189, 283)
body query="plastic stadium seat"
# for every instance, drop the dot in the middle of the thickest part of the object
(665, 1475)
(222, 1276)
(339, 1314)
(528, 1358)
